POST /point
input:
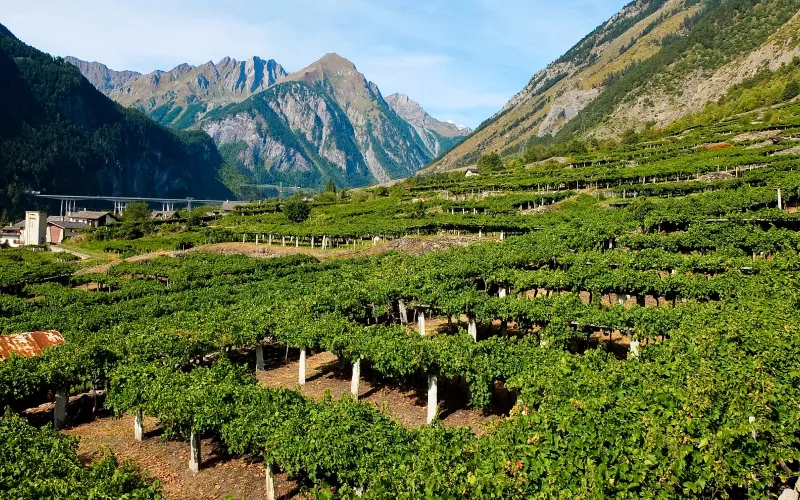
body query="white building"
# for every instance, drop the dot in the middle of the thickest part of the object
(35, 232)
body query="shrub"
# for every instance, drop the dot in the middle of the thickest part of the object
(296, 209)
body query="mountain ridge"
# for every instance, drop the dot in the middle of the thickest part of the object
(208, 97)
(438, 136)
(180, 96)
(324, 121)
(654, 62)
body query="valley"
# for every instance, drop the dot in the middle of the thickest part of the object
(592, 295)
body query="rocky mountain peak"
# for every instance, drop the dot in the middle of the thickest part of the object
(438, 136)
(100, 75)
(329, 66)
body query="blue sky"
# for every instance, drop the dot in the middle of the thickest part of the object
(461, 60)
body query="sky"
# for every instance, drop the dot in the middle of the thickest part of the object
(460, 59)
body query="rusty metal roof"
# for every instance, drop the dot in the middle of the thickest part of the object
(28, 344)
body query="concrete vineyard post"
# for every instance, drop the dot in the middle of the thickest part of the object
(421, 322)
(502, 292)
(432, 397)
(356, 377)
(270, 240)
(312, 242)
(138, 426)
(259, 358)
(301, 375)
(780, 200)
(60, 410)
(401, 306)
(270, 482)
(634, 348)
(473, 329)
(283, 241)
(194, 452)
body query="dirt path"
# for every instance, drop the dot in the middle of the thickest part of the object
(415, 245)
(220, 476)
(407, 405)
(103, 268)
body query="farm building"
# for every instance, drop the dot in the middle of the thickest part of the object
(28, 344)
(471, 172)
(93, 219)
(228, 206)
(12, 235)
(60, 230)
(164, 215)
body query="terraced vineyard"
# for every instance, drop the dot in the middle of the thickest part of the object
(631, 314)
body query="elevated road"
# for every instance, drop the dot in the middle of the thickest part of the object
(69, 201)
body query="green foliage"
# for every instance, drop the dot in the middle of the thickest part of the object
(791, 90)
(297, 209)
(490, 162)
(330, 186)
(689, 227)
(630, 137)
(41, 463)
(137, 211)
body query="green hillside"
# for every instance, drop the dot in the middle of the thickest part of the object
(60, 135)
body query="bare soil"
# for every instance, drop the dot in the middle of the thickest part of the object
(413, 245)
(405, 404)
(221, 476)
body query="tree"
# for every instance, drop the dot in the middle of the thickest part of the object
(136, 211)
(296, 209)
(791, 91)
(4, 220)
(630, 136)
(330, 187)
(489, 162)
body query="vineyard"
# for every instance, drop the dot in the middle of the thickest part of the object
(631, 316)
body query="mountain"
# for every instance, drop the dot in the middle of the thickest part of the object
(439, 137)
(104, 79)
(325, 121)
(653, 63)
(58, 134)
(181, 96)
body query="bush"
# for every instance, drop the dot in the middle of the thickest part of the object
(136, 211)
(490, 162)
(791, 91)
(296, 209)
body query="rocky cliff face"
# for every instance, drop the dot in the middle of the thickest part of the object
(325, 121)
(181, 96)
(437, 136)
(104, 79)
(654, 62)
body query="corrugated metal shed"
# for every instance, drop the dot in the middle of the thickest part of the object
(28, 344)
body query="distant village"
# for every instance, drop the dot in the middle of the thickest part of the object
(37, 228)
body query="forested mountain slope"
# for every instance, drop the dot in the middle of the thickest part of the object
(654, 62)
(58, 134)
